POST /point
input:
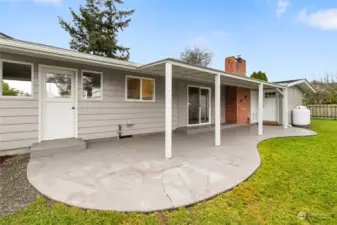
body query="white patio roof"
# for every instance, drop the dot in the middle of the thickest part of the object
(182, 70)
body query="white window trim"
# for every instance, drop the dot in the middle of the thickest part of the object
(1, 79)
(141, 89)
(91, 99)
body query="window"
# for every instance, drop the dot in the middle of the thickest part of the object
(269, 94)
(16, 79)
(140, 89)
(92, 85)
(58, 85)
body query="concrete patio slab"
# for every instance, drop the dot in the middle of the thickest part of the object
(133, 175)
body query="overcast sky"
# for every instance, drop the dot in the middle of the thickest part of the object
(287, 39)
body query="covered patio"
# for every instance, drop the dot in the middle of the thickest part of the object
(132, 174)
(175, 69)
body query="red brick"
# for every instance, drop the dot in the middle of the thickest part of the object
(237, 98)
(236, 66)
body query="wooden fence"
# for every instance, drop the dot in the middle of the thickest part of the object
(323, 111)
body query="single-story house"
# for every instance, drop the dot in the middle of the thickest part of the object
(50, 93)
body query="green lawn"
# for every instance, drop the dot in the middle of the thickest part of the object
(297, 175)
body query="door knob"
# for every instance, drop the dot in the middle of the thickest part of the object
(73, 107)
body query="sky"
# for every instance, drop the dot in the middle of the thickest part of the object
(287, 39)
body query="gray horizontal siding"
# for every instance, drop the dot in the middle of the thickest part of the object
(14, 128)
(18, 104)
(24, 143)
(17, 136)
(21, 120)
(128, 116)
(121, 110)
(112, 128)
(100, 119)
(98, 123)
(96, 118)
(19, 116)
(19, 112)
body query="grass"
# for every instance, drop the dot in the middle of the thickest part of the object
(297, 176)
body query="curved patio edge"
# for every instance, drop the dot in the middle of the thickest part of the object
(122, 176)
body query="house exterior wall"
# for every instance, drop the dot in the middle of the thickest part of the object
(243, 105)
(231, 107)
(96, 118)
(294, 99)
(254, 105)
(238, 105)
(19, 118)
(182, 101)
(100, 119)
(238, 99)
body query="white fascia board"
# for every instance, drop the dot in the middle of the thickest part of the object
(210, 71)
(30, 48)
(224, 74)
(300, 82)
(296, 83)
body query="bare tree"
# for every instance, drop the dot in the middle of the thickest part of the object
(196, 56)
(326, 90)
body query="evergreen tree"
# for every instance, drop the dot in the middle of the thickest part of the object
(259, 75)
(94, 30)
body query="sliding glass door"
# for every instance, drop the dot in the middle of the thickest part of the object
(198, 105)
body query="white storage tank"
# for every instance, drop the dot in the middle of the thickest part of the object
(301, 116)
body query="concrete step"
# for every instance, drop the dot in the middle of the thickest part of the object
(46, 148)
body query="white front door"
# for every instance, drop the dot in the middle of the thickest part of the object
(58, 103)
(270, 106)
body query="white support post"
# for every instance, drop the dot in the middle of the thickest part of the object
(260, 110)
(285, 108)
(217, 110)
(168, 110)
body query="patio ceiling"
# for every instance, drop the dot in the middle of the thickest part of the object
(181, 70)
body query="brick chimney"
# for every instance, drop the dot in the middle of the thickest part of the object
(237, 98)
(236, 65)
